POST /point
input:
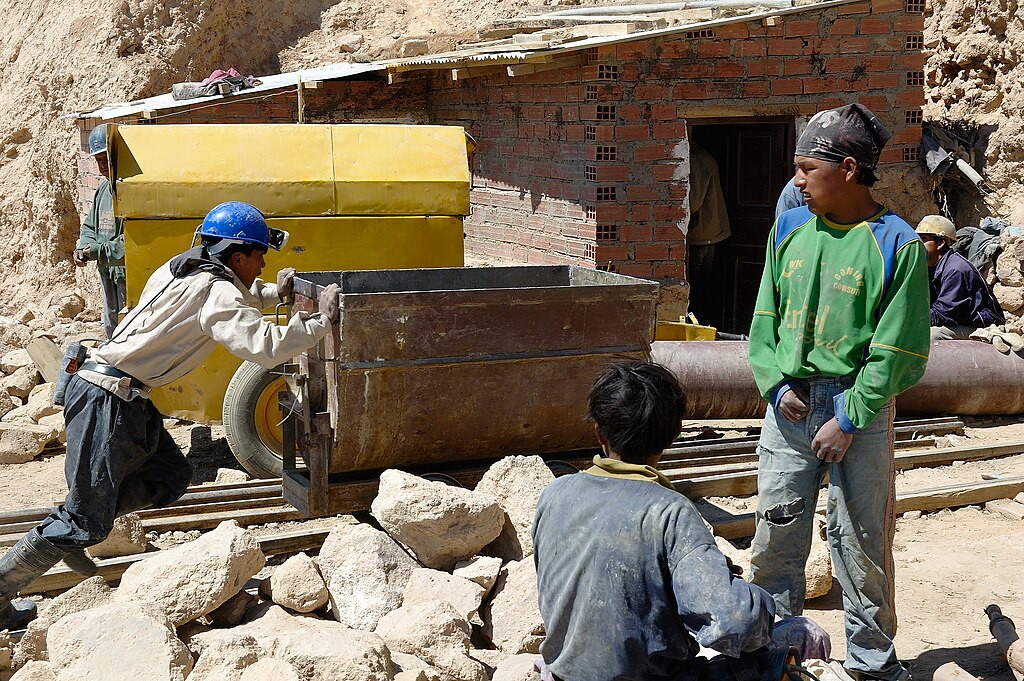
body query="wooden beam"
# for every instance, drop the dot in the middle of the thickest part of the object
(467, 72)
(537, 67)
(597, 30)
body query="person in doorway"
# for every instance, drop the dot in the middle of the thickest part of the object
(120, 458)
(789, 198)
(840, 328)
(709, 222)
(101, 238)
(961, 299)
(629, 578)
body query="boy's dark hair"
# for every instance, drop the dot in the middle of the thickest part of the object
(638, 408)
(225, 255)
(865, 176)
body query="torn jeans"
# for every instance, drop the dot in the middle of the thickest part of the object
(860, 522)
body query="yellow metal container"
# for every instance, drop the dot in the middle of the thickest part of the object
(677, 331)
(182, 171)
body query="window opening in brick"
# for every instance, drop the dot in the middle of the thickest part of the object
(915, 77)
(590, 212)
(607, 233)
(590, 173)
(591, 93)
(915, 117)
(910, 153)
(606, 267)
(592, 55)
(589, 133)
(588, 251)
(608, 72)
(914, 41)
(915, 6)
(606, 152)
(606, 112)
(606, 194)
(700, 33)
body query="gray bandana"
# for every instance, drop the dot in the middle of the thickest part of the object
(850, 130)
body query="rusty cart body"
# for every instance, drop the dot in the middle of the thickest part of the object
(447, 370)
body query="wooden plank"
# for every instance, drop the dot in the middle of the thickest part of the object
(467, 72)
(46, 356)
(208, 521)
(596, 30)
(111, 569)
(538, 67)
(524, 38)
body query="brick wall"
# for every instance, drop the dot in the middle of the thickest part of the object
(596, 155)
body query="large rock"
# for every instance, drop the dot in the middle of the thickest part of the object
(1008, 269)
(57, 427)
(193, 579)
(429, 586)
(85, 595)
(6, 403)
(482, 570)
(441, 524)
(365, 571)
(126, 539)
(14, 360)
(35, 671)
(350, 42)
(516, 482)
(118, 641)
(320, 650)
(818, 571)
(38, 405)
(270, 669)
(435, 633)
(411, 668)
(1011, 298)
(21, 442)
(297, 585)
(231, 612)
(230, 475)
(517, 668)
(66, 305)
(21, 382)
(414, 47)
(511, 618)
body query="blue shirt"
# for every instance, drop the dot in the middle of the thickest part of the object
(790, 198)
(960, 295)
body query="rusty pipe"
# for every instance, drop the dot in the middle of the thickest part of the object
(968, 378)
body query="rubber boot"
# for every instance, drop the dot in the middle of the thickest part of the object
(26, 560)
(80, 562)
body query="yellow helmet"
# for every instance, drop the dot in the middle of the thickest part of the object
(939, 226)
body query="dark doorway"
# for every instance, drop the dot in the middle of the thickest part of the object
(755, 160)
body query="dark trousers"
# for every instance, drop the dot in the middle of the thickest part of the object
(113, 300)
(120, 458)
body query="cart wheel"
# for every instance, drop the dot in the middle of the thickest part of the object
(443, 477)
(252, 418)
(560, 468)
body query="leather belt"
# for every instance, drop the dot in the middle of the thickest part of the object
(113, 372)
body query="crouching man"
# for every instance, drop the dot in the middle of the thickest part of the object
(119, 456)
(629, 578)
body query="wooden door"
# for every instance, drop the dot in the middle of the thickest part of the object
(755, 160)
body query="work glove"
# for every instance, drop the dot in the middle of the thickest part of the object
(285, 283)
(329, 302)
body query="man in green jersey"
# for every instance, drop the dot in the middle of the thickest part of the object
(840, 328)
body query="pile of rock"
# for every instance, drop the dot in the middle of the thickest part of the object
(29, 421)
(441, 588)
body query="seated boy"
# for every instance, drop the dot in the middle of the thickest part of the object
(629, 578)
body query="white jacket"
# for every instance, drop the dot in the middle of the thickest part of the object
(180, 319)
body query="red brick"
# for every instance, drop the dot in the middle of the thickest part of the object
(732, 31)
(883, 6)
(668, 232)
(875, 26)
(651, 91)
(670, 131)
(611, 252)
(640, 212)
(881, 81)
(790, 86)
(856, 8)
(729, 69)
(652, 152)
(841, 64)
(908, 23)
(910, 136)
(756, 89)
(797, 67)
(819, 85)
(632, 51)
(715, 48)
(632, 113)
(664, 172)
(612, 213)
(764, 67)
(785, 46)
(634, 233)
(855, 45)
(892, 155)
(671, 211)
(725, 90)
(800, 27)
(876, 103)
(684, 91)
(682, 69)
(877, 64)
(750, 48)
(663, 112)
(910, 62)
(629, 72)
(635, 269)
(627, 133)
(604, 132)
(911, 98)
(650, 252)
(669, 271)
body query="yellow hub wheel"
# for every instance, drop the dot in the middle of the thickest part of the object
(267, 417)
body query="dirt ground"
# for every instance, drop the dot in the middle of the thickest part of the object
(949, 564)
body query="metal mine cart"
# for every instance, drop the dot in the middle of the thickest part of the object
(447, 370)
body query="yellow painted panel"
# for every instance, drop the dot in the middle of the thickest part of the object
(332, 243)
(177, 171)
(401, 169)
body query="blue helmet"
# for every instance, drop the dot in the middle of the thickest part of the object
(235, 222)
(98, 140)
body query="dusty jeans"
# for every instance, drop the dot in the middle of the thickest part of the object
(860, 522)
(120, 458)
(113, 301)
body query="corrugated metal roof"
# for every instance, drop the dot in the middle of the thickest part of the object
(272, 82)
